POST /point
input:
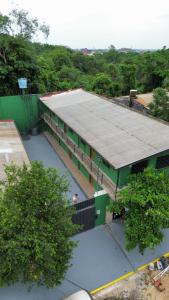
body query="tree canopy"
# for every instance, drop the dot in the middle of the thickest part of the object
(50, 68)
(18, 23)
(146, 204)
(35, 226)
(159, 107)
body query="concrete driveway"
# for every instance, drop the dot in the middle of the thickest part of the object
(99, 258)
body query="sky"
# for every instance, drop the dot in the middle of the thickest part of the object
(96, 24)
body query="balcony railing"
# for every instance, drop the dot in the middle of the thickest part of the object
(101, 178)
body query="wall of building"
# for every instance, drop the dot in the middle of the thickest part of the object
(154, 159)
(123, 176)
(119, 177)
(84, 146)
(23, 109)
(125, 172)
(106, 168)
(101, 202)
(64, 147)
(72, 135)
(97, 186)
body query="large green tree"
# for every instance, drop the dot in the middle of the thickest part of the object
(146, 204)
(35, 226)
(159, 107)
(17, 59)
(17, 55)
(51, 67)
(19, 23)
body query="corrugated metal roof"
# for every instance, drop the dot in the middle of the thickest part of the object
(11, 148)
(145, 99)
(120, 135)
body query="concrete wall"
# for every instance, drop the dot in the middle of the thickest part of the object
(23, 109)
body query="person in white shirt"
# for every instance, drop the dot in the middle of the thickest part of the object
(76, 199)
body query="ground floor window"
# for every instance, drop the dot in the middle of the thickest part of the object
(162, 162)
(139, 167)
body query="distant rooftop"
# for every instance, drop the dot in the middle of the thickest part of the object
(144, 99)
(120, 135)
(11, 148)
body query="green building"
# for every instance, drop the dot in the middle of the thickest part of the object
(107, 142)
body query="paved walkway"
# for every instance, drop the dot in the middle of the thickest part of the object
(38, 148)
(99, 258)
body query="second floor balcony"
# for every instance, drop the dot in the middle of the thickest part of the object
(101, 178)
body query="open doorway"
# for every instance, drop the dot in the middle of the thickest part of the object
(120, 216)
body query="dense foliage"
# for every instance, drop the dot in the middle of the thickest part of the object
(159, 107)
(35, 226)
(146, 201)
(50, 68)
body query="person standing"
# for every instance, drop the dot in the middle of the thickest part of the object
(76, 199)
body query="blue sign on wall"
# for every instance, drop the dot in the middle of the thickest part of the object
(22, 82)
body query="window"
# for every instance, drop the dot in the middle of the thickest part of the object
(71, 130)
(139, 167)
(106, 163)
(162, 162)
(83, 142)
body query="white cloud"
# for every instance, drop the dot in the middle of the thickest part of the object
(91, 23)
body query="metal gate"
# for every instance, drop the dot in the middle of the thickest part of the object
(85, 214)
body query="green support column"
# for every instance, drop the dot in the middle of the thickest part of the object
(101, 201)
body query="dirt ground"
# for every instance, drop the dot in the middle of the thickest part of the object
(137, 287)
(152, 292)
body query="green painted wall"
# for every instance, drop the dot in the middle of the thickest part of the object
(123, 176)
(152, 162)
(72, 135)
(119, 177)
(23, 109)
(61, 123)
(109, 171)
(43, 108)
(155, 159)
(84, 171)
(97, 186)
(75, 160)
(57, 138)
(100, 203)
(126, 171)
(64, 146)
(84, 146)
(55, 119)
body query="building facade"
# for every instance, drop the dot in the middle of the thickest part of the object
(105, 141)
